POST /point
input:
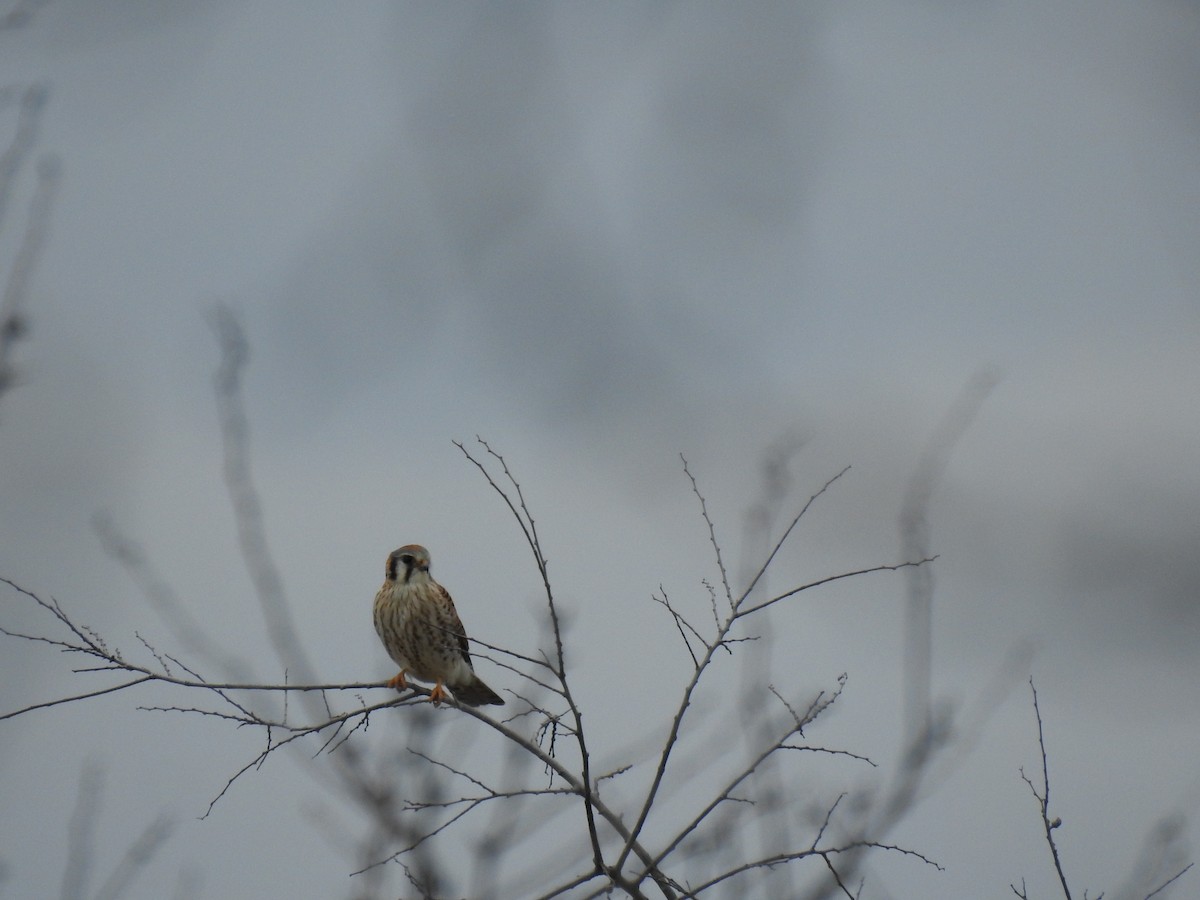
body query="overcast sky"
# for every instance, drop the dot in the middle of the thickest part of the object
(602, 235)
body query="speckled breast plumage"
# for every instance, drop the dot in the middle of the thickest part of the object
(421, 631)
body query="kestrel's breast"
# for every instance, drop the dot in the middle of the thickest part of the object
(419, 628)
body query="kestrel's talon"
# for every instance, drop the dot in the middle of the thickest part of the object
(398, 682)
(438, 694)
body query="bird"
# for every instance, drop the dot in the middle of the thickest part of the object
(419, 626)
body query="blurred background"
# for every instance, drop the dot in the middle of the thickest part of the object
(601, 236)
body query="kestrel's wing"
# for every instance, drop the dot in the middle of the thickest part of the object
(452, 623)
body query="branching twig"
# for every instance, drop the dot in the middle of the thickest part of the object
(712, 532)
(820, 581)
(781, 743)
(738, 610)
(685, 627)
(770, 557)
(826, 854)
(1043, 798)
(525, 520)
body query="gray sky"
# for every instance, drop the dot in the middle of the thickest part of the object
(600, 235)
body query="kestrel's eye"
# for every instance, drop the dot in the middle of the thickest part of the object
(406, 559)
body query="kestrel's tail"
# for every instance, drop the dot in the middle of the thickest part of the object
(476, 693)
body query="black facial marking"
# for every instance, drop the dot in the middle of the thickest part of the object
(410, 561)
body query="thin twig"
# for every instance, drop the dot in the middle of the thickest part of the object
(1043, 798)
(712, 532)
(762, 570)
(768, 862)
(1162, 887)
(681, 623)
(742, 613)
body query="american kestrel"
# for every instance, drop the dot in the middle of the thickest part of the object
(420, 628)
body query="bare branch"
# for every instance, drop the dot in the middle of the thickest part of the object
(712, 532)
(762, 570)
(569, 886)
(751, 768)
(722, 638)
(825, 854)
(701, 665)
(525, 520)
(74, 697)
(614, 820)
(1043, 798)
(812, 584)
(681, 623)
(1166, 884)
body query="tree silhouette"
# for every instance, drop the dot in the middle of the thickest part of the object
(547, 822)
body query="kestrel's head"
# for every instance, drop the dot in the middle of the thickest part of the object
(409, 563)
